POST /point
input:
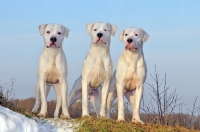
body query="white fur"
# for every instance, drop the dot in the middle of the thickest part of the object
(97, 70)
(52, 70)
(130, 74)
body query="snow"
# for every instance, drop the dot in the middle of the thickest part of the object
(14, 122)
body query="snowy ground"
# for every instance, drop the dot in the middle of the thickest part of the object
(14, 122)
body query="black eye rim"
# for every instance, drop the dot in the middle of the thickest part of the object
(59, 33)
(136, 34)
(95, 29)
(48, 32)
(105, 30)
(125, 34)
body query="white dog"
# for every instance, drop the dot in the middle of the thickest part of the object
(52, 69)
(97, 70)
(130, 74)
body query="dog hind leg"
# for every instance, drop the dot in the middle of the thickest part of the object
(37, 99)
(111, 96)
(76, 92)
(110, 99)
(95, 99)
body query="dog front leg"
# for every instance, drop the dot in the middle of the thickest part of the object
(120, 96)
(104, 94)
(136, 110)
(42, 88)
(85, 111)
(64, 88)
(58, 99)
(130, 95)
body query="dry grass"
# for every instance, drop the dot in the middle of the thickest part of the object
(22, 111)
(103, 125)
(93, 124)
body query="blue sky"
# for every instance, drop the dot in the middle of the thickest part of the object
(174, 43)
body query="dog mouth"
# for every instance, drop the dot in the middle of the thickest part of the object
(100, 41)
(52, 45)
(129, 47)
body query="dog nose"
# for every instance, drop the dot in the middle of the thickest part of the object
(53, 39)
(99, 35)
(129, 40)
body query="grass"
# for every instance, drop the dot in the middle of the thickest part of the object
(22, 111)
(93, 124)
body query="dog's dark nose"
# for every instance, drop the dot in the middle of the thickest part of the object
(99, 35)
(129, 40)
(53, 39)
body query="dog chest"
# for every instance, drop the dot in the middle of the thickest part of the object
(97, 74)
(52, 75)
(131, 81)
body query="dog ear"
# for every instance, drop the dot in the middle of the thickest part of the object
(89, 28)
(66, 31)
(42, 28)
(145, 35)
(121, 35)
(113, 29)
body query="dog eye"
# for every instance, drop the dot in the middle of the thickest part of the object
(105, 30)
(126, 34)
(59, 33)
(48, 32)
(95, 29)
(136, 34)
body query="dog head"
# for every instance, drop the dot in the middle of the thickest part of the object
(53, 34)
(133, 38)
(100, 32)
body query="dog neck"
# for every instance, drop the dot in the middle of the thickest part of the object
(52, 53)
(100, 50)
(132, 57)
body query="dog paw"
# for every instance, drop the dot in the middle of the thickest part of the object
(65, 117)
(35, 113)
(34, 110)
(42, 115)
(138, 121)
(102, 114)
(120, 120)
(55, 116)
(103, 117)
(86, 116)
